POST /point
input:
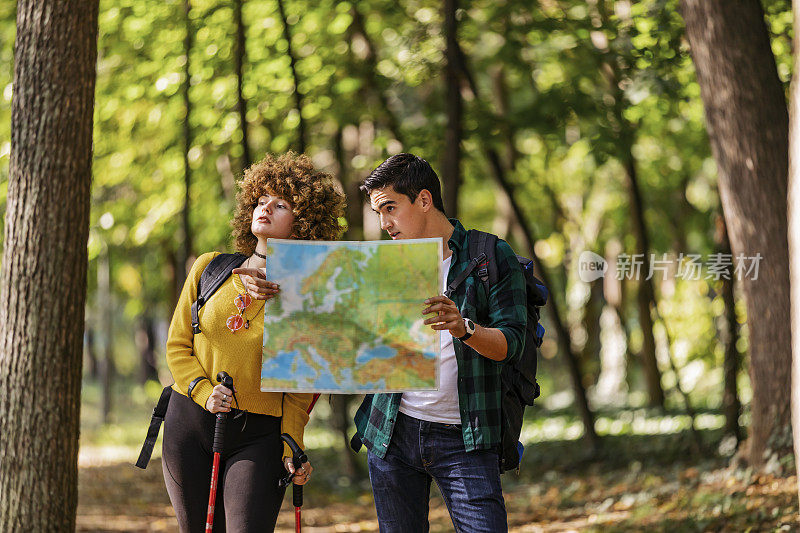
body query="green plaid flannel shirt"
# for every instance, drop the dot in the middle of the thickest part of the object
(479, 400)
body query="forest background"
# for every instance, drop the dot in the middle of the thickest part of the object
(563, 126)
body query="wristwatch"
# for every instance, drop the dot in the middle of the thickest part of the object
(469, 325)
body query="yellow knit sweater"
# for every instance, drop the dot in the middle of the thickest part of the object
(216, 348)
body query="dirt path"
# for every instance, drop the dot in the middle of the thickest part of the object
(119, 497)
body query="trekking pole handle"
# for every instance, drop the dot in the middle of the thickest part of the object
(298, 455)
(226, 380)
(298, 458)
(297, 490)
(297, 495)
(222, 418)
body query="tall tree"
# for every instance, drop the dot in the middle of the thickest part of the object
(625, 132)
(748, 125)
(298, 96)
(241, 103)
(451, 160)
(146, 343)
(340, 403)
(90, 350)
(729, 335)
(105, 311)
(370, 73)
(562, 334)
(45, 263)
(794, 239)
(186, 250)
(646, 294)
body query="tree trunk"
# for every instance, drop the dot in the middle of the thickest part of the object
(590, 354)
(610, 387)
(370, 73)
(504, 110)
(340, 403)
(106, 311)
(298, 96)
(729, 335)
(748, 126)
(794, 241)
(239, 57)
(146, 343)
(562, 335)
(186, 250)
(340, 420)
(504, 222)
(615, 337)
(90, 351)
(43, 280)
(353, 195)
(626, 133)
(451, 161)
(645, 295)
(170, 273)
(226, 177)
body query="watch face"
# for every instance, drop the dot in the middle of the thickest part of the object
(470, 326)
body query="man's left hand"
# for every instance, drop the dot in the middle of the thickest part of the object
(447, 316)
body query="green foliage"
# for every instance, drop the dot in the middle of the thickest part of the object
(569, 93)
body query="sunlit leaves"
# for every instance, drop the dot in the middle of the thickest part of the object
(568, 91)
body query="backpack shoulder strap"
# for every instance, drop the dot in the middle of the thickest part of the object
(482, 243)
(212, 278)
(159, 412)
(481, 250)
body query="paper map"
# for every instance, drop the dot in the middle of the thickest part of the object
(348, 318)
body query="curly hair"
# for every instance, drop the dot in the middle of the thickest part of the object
(316, 202)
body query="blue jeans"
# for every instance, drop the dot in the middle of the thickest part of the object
(420, 451)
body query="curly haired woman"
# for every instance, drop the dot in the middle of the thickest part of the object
(283, 197)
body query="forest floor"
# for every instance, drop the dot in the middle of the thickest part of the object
(640, 483)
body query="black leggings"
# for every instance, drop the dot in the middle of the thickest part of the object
(248, 497)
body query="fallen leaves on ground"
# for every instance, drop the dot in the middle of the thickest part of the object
(585, 495)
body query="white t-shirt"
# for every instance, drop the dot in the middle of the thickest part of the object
(442, 405)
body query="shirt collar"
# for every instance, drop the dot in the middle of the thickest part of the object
(458, 240)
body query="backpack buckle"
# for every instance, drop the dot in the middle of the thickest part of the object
(482, 264)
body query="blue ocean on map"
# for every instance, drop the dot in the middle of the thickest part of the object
(371, 385)
(326, 382)
(378, 352)
(288, 363)
(300, 257)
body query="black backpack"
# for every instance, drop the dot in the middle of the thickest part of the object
(519, 387)
(212, 278)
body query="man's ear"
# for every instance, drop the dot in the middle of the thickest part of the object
(425, 200)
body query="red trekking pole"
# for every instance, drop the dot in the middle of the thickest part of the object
(219, 440)
(298, 458)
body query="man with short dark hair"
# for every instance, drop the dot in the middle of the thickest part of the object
(451, 435)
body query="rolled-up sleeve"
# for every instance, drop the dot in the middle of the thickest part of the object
(507, 301)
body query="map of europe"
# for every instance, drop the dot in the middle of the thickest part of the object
(348, 318)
